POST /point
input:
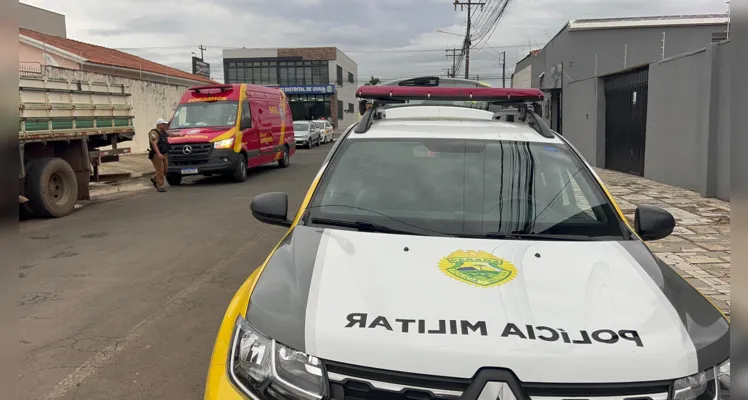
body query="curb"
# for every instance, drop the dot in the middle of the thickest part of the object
(98, 191)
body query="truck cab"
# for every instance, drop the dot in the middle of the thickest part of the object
(228, 129)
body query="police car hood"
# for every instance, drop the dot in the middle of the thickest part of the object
(553, 311)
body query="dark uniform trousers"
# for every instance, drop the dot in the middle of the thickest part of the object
(160, 163)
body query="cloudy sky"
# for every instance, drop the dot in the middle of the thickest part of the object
(387, 38)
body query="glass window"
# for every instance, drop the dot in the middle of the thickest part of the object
(350, 108)
(340, 76)
(300, 126)
(273, 76)
(232, 75)
(299, 76)
(205, 114)
(240, 75)
(317, 75)
(246, 113)
(466, 187)
(340, 109)
(283, 76)
(250, 75)
(265, 76)
(291, 75)
(307, 63)
(351, 78)
(232, 64)
(308, 75)
(320, 125)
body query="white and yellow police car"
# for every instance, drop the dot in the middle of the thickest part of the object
(446, 251)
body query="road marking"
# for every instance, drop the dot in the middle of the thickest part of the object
(93, 364)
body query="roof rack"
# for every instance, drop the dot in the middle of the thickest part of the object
(525, 100)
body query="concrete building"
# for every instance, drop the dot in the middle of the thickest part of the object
(40, 20)
(639, 95)
(155, 88)
(319, 81)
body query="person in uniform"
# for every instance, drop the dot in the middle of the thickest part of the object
(159, 152)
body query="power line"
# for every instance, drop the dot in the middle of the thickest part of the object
(344, 51)
(467, 43)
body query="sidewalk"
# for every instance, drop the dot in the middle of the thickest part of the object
(138, 166)
(699, 248)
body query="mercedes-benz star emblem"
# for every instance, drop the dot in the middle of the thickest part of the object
(187, 149)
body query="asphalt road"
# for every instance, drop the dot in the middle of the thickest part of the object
(123, 299)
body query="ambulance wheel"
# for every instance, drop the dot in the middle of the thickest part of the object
(285, 160)
(174, 179)
(240, 174)
(51, 187)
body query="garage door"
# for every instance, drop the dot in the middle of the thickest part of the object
(626, 121)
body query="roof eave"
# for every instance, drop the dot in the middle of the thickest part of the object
(52, 49)
(177, 79)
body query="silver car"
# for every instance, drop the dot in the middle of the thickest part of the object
(307, 134)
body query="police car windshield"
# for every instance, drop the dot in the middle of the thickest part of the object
(319, 125)
(217, 114)
(465, 187)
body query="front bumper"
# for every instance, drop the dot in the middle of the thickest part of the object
(214, 161)
(302, 140)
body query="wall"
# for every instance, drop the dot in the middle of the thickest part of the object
(617, 49)
(522, 78)
(580, 117)
(40, 20)
(33, 58)
(347, 92)
(724, 60)
(675, 112)
(150, 100)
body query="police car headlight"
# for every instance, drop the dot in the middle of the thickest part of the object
(224, 144)
(712, 384)
(265, 369)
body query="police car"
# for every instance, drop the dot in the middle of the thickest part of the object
(445, 251)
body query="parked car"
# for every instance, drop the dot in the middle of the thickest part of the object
(307, 134)
(326, 130)
(223, 134)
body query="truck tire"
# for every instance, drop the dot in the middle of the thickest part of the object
(285, 159)
(174, 179)
(240, 174)
(51, 187)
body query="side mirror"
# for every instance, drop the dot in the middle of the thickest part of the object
(246, 123)
(271, 208)
(653, 223)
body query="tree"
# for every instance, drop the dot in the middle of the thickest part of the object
(373, 82)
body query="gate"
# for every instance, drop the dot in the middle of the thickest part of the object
(626, 121)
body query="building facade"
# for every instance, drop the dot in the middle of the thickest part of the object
(41, 20)
(599, 75)
(320, 82)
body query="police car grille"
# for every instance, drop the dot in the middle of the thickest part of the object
(200, 153)
(349, 382)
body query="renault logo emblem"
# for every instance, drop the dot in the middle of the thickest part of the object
(187, 149)
(497, 391)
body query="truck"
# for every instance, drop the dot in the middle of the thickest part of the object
(63, 126)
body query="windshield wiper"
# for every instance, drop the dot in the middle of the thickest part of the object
(362, 225)
(537, 236)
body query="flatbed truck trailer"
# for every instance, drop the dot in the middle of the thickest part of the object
(62, 126)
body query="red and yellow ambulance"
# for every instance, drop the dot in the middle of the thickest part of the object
(228, 129)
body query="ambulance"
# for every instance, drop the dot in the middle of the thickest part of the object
(228, 129)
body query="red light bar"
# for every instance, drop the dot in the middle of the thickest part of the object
(211, 87)
(448, 93)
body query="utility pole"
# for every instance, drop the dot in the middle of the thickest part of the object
(454, 61)
(448, 71)
(503, 69)
(202, 48)
(468, 42)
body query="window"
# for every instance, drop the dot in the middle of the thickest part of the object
(351, 78)
(299, 126)
(340, 109)
(340, 76)
(246, 113)
(466, 188)
(350, 108)
(197, 115)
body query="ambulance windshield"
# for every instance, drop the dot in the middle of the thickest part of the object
(205, 114)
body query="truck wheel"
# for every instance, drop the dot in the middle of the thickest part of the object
(240, 174)
(173, 179)
(285, 160)
(51, 187)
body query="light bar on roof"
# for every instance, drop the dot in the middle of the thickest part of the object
(222, 88)
(448, 93)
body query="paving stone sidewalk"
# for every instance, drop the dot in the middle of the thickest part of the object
(699, 248)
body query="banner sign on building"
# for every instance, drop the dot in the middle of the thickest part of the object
(200, 67)
(308, 89)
